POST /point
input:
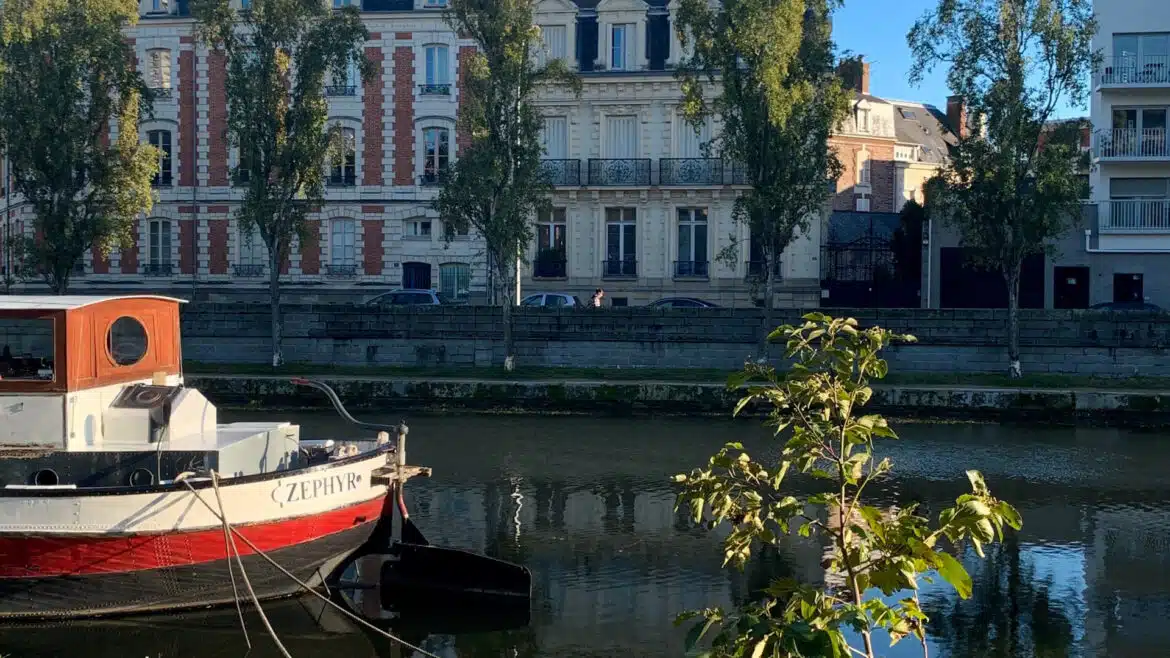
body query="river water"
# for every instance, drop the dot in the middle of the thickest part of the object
(586, 503)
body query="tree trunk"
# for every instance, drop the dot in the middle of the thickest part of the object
(508, 281)
(769, 307)
(1013, 286)
(274, 292)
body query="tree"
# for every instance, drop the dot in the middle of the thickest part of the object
(1010, 189)
(65, 76)
(779, 98)
(277, 56)
(818, 404)
(497, 185)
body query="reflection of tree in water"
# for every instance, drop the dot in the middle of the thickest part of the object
(1010, 614)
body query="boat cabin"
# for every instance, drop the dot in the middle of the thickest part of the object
(94, 386)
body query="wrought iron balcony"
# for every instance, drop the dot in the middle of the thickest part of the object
(160, 92)
(1145, 144)
(562, 173)
(622, 268)
(341, 271)
(737, 174)
(550, 266)
(692, 269)
(443, 89)
(757, 269)
(157, 269)
(620, 172)
(691, 171)
(1146, 70)
(346, 180)
(341, 90)
(249, 270)
(1135, 216)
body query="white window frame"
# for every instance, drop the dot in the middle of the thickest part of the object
(621, 47)
(864, 169)
(341, 164)
(689, 217)
(158, 62)
(436, 73)
(464, 269)
(250, 247)
(626, 215)
(158, 242)
(419, 228)
(861, 119)
(861, 204)
(342, 242)
(166, 159)
(424, 158)
(544, 52)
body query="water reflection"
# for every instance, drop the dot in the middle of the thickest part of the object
(613, 563)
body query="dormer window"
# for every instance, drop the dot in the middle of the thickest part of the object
(619, 47)
(160, 6)
(861, 119)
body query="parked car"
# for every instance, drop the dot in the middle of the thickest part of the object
(554, 299)
(406, 297)
(682, 302)
(1126, 306)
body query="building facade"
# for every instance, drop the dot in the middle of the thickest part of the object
(639, 208)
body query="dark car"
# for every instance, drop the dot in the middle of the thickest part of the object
(682, 302)
(406, 297)
(1127, 306)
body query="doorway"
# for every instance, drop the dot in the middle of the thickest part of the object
(1128, 288)
(1070, 287)
(416, 276)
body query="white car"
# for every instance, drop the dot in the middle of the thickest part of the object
(551, 299)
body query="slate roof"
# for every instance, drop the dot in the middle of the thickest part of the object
(926, 126)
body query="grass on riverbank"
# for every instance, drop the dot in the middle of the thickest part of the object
(690, 376)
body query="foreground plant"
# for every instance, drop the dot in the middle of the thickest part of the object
(818, 402)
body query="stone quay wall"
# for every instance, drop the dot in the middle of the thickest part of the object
(958, 340)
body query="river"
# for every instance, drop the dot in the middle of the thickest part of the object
(586, 503)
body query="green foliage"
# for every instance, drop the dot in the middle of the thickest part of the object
(278, 54)
(817, 406)
(64, 78)
(778, 97)
(497, 184)
(1010, 188)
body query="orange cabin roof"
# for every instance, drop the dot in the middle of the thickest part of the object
(100, 341)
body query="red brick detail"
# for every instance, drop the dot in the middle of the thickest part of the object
(372, 148)
(218, 210)
(188, 209)
(217, 230)
(403, 36)
(187, 247)
(187, 118)
(311, 248)
(101, 264)
(403, 114)
(130, 254)
(285, 264)
(366, 210)
(882, 174)
(217, 170)
(375, 36)
(372, 245)
(462, 137)
(186, 39)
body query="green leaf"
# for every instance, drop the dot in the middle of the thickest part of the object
(977, 484)
(953, 572)
(758, 651)
(695, 635)
(1010, 515)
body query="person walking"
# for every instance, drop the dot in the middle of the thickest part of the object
(596, 301)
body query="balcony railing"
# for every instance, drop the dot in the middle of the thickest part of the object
(342, 271)
(622, 268)
(1136, 216)
(341, 90)
(690, 171)
(347, 180)
(757, 269)
(550, 267)
(691, 269)
(1148, 143)
(562, 173)
(443, 89)
(157, 269)
(249, 270)
(1134, 70)
(619, 172)
(160, 92)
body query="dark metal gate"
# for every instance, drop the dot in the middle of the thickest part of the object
(871, 260)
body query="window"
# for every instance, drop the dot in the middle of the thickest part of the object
(26, 349)
(158, 70)
(344, 83)
(161, 140)
(861, 119)
(435, 155)
(553, 44)
(861, 204)
(452, 232)
(434, 4)
(252, 251)
(246, 5)
(418, 228)
(619, 47)
(344, 169)
(159, 6)
(437, 73)
(621, 247)
(454, 282)
(551, 256)
(342, 236)
(691, 142)
(863, 168)
(692, 243)
(158, 247)
(1141, 57)
(554, 138)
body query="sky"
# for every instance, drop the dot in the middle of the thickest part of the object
(877, 29)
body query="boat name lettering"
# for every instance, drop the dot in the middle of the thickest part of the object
(296, 492)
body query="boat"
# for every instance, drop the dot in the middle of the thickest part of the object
(121, 493)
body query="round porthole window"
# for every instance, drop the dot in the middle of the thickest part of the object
(126, 341)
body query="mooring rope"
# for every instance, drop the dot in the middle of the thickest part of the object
(301, 583)
(228, 547)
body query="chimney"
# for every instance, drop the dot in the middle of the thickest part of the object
(854, 74)
(957, 116)
(863, 79)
